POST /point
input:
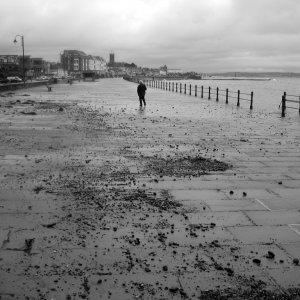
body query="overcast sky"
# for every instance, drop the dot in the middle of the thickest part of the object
(199, 35)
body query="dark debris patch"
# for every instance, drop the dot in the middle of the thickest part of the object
(185, 166)
(163, 203)
(254, 290)
(52, 105)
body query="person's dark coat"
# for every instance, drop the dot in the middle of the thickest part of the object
(141, 90)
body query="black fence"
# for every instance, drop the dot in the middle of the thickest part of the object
(289, 100)
(209, 92)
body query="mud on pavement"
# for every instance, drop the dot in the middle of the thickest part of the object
(87, 212)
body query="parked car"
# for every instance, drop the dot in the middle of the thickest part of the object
(14, 79)
(42, 78)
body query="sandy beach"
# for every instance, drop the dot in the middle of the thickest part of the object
(101, 199)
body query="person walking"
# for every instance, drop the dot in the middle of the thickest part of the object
(141, 90)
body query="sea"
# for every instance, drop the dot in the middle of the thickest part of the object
(267, 93)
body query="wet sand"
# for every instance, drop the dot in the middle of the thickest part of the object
(110, 201)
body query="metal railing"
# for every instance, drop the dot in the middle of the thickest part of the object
(210, 92)
(289, 99)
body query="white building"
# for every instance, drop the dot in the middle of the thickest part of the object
(97, 64)
(174, 71)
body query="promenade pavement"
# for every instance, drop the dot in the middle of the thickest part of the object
(186, 198)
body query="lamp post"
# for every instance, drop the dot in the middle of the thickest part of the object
(22, 41)
(62, 61)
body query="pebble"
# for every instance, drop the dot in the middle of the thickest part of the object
(270, 255)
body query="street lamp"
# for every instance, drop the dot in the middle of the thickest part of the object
(22, 40)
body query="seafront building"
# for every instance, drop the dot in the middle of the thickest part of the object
(81, 65)
(75, 62)
(11, 65)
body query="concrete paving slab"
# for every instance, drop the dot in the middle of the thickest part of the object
(279, 203)
(286, 278)
(197, 283)
(291, 195)
(295, 227)
(252, 193)
(270, 256)
(26, 220)
(282, 217)
(265, 234)
(220, 218)
(198, 195)
(175, 260)
(294, 175)
(234, 205)
(123, 237)
(32, 240)
(34, 206)
(291, 183)
(293, 249)
(193, 183)
(186, 237)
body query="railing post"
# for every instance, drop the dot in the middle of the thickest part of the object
(209, 93)
(176, 87)
(299, 105)
(172, 86)
(169, 86)
(190, 89)
(238, 99)
(283, 105)
(226, 96)
(185, 88)
(251, 101)
(201, 91)
(180, 88)
(196, 91)
(217, 98)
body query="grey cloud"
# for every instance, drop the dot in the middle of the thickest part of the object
(189, 34)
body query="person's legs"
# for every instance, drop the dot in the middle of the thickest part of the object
(141, 103)
(144, 100)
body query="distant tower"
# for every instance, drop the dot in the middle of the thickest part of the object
(111, 59)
